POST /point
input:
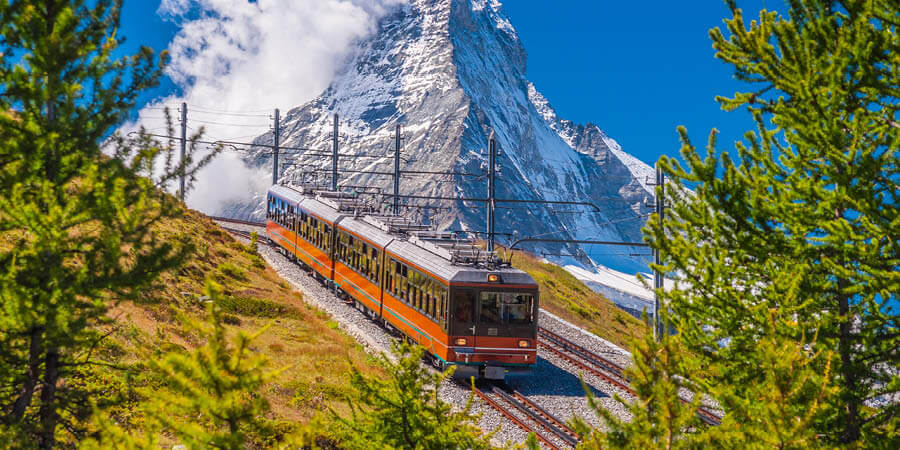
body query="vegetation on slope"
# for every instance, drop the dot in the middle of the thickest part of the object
(566, 296)
(300, 339)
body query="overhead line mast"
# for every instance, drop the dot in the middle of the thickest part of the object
(491, 174)
(397, 172)
(492, 190)
(181, 171)
(277, 135)
(334, 156)
(658, 280)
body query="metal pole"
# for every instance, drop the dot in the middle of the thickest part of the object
(183, 146)
(397, 172)
(657, 275)
(334, 156)
(492, 159)
(277, 133)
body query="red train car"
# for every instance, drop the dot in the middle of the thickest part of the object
(440, 292)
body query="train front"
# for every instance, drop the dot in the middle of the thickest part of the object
(493, 323)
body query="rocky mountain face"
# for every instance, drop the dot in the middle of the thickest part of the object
(450, 72)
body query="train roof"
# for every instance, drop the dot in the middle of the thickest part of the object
(323, 211)
(287, 193)
(368, 232)
(443, 268)
(453, 260)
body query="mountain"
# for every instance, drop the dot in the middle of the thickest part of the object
(450, 72)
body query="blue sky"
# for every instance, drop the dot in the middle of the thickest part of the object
(636, 69)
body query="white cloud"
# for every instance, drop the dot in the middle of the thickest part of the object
(234, 55)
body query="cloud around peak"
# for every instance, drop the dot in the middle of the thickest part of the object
(248, 58)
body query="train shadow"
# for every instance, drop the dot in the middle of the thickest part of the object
(549, 379)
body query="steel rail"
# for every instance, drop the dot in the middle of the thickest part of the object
(238, 221)
(505, 412)
(550, 417)
(538, 414)
(585, 353)
(585, 363)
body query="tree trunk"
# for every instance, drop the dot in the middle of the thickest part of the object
(31, 377)
(49, 417)
(849, 377)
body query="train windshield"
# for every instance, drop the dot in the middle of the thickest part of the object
(512, 308)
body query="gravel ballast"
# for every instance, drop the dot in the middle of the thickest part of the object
(554, 384)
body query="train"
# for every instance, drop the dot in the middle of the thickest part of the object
(464, 305)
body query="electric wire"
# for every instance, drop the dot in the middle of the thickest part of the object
(216, 110)
(210, 122)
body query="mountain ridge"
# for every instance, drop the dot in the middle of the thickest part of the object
(451, 72)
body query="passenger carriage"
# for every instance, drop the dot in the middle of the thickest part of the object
(440, 292)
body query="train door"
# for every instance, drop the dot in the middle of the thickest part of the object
(462, 318)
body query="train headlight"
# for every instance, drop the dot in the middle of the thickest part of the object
(523, 344)
(493, 278)
(461, 341)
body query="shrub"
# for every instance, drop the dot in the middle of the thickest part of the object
(256, 307)
(230, 270)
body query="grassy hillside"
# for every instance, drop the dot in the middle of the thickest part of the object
(567, 297)
(315, 352)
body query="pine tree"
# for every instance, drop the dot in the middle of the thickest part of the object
(659, 418)
(776, 412)
(802, 218)
(212, 396)
(208, 398)
(780, 410)
(75, 219)
(405, 410)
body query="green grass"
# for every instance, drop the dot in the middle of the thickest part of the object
(229, 270)
(300, 336)
(566, 296)
(256, 307)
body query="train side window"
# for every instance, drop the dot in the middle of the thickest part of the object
(374, 266)
(429, 307)
(445, 306)
(395, 276)
(436, 311)
(417, 297)
(389, 276)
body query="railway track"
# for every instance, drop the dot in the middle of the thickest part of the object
(565, 349)
(599, 366)
(241, 222)
(528, 416)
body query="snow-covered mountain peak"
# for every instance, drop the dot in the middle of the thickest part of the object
(450, 72)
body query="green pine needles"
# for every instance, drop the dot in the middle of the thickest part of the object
(75, 219)
(659, 419)
(786, 253)
(207, 398)
(405, 410)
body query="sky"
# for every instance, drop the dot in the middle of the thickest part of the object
(636, 69)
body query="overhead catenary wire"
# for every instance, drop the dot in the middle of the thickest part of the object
(301, 151)
(217, 110)
(195, 109)
(232, 144)
(210, 122)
